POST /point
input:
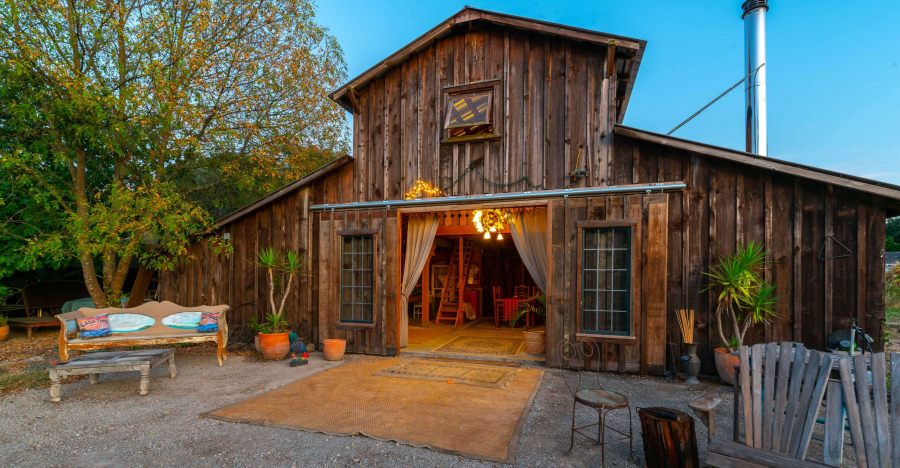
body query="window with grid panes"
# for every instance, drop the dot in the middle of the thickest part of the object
(357, 277)
(606, 281)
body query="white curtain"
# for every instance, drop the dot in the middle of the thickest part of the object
(420, 233)
(529, 232)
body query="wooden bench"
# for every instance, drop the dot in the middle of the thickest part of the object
(151, 323)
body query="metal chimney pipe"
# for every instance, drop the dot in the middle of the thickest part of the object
(754, 16)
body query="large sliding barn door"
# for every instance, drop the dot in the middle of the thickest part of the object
(358, 275)
(644, 349)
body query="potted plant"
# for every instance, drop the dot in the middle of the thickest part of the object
(745, 298)
(4, 328)
(535, 340)
(273, 334)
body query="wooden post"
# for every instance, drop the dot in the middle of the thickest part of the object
(426, 303)
(460, 284)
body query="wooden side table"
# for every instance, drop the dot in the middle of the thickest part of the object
(28, 323)
(94, 364)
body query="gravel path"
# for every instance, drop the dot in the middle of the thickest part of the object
(108, 424)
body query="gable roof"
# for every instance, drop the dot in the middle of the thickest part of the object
(861, 184)
(313, 176)
(629, 51)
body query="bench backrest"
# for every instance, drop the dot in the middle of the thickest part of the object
(781, 401)
(874, 421)
(150, 318)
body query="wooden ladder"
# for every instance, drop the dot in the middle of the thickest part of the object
(451, 308)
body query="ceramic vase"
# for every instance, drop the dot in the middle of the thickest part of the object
(692, 366)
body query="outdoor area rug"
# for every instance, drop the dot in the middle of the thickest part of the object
(419, 335)
(475, 422)
(460, 373)
(483, 345)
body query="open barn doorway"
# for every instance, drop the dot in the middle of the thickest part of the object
(474, 282)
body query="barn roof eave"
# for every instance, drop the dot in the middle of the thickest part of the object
(468, 14)
(313, 176)
(862, 184)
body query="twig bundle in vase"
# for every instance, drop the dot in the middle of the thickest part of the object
(686, 323)
(692, 366)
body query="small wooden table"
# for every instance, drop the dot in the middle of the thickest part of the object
(94, 364)
(33, 322)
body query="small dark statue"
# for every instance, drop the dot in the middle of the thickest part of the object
(298, 348)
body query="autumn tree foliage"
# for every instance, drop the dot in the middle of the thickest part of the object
(120, 121)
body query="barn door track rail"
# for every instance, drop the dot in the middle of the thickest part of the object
(492, 197)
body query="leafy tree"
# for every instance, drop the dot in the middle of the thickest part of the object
(893, 235)
(119, 118)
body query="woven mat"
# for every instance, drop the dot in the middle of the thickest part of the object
(460, 373)
(419, 335)
(487, 324)
(476, 422)
(483, 345)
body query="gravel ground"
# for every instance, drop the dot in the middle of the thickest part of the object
(110, 425)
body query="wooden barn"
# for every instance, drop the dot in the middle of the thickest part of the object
(521, 119)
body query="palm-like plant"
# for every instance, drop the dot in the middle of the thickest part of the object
(277, 264)
(745, 296)
(536, 304)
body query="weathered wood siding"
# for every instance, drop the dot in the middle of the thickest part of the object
(727, 205)
(553, 101)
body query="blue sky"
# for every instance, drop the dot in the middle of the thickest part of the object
(833, 67)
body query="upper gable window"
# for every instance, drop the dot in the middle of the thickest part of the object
(470, 113)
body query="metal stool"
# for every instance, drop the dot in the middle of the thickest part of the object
(603, 401)
(579, 356)
(417, 309)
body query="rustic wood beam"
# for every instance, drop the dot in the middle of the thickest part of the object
(354, 100)
(141, 284)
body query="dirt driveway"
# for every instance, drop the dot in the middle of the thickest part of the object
(108, 424)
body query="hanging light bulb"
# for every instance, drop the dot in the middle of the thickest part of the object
(487, 235)
(493, 229)
(499, 236)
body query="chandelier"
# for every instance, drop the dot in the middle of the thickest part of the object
(490, 222)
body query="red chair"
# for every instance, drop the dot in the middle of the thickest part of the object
(498, 304)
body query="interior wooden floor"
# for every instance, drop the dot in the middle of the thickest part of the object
(481, 328)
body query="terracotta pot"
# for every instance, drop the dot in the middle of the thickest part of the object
(535, 342)
(725, 363)
(334, 349)
(274, 345)
(4, 333)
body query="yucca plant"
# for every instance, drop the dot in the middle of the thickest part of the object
(536, 304)
(278, 264)
(744, 295)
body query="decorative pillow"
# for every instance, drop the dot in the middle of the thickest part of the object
(93, 327)
(209, 322)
